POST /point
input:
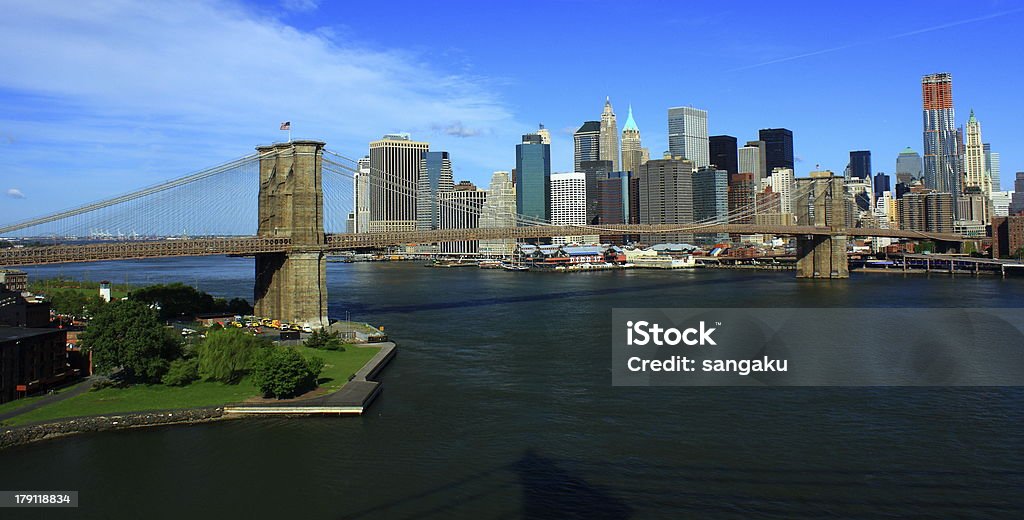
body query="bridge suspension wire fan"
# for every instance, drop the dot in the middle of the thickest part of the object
(221, 200)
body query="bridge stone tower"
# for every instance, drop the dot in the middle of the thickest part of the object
(292, 286)
(823, 256)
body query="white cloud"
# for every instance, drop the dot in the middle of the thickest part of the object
(15, 193)
(174, 86)
(300, 6)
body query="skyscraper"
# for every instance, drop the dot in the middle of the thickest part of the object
(752, 159)
(976, 176)
(632, 148)
(908, 166)
(361, 196)
(618, 202)
(394, 177)
(881, 185)
(666, 195)
(688, 134)
(594, 170)
(499, 211)
(992, 167)
(711, 200)
(435, 177)
(533, 173)
(782, 183)
(609, 148)
(1017, 199)
(569, 204)
(778, 144)
(723, 153)
(459, 208)
(545, 135)
(742, 190)
(587, 143)
(942, 160)
(860, 164)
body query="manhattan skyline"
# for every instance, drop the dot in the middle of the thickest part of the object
(78, 89)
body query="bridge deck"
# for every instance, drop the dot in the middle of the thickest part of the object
(255, 245)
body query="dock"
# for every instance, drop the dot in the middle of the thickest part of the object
(352, 399)
(911, 263)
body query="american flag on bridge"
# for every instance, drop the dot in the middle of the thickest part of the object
(287, 125)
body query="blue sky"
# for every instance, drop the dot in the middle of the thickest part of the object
(100, 97)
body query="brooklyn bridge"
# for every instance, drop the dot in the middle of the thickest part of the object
(286, 205)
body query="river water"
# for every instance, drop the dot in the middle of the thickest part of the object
(500, 405)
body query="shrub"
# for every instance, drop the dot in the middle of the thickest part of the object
(182, 372)
(282, 372)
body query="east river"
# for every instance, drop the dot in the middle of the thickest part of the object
(500, 405)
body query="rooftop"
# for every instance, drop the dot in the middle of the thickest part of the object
(10, 334)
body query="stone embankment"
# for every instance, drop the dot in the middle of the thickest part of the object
(14, 436)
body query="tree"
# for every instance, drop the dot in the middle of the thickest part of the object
(322, 339)
(177, 300)
(74, 302)
(282, 372)
(128, 335)
(181, 372)
(227, 354)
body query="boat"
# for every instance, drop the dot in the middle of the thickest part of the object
(489, 264)
(514, 267)
(450, 263)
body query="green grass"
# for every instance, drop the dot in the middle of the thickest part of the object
(339, 365)
(117, 291)
(25, 401)
(337, 369)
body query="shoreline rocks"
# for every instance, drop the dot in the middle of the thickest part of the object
(19, 435)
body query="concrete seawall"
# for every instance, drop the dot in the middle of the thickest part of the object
(352, 399)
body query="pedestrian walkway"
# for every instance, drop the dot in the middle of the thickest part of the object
(78, 389)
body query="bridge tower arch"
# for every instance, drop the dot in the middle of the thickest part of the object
(823, 256)
(292, 285)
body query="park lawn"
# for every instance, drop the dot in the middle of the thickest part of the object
(115, 294)
(338, 366)
(138, 398)
(25, 401)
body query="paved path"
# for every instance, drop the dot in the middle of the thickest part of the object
(79, 389)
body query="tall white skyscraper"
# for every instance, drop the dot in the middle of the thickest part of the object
(361, 197)
(499, 211)
(688, 134)
(782, 183)
(974, 158)
(609, 150)
(632, 148)
(569, 204)
(394, 177)
(751, 159)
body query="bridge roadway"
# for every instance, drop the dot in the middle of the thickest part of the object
(254, 245)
